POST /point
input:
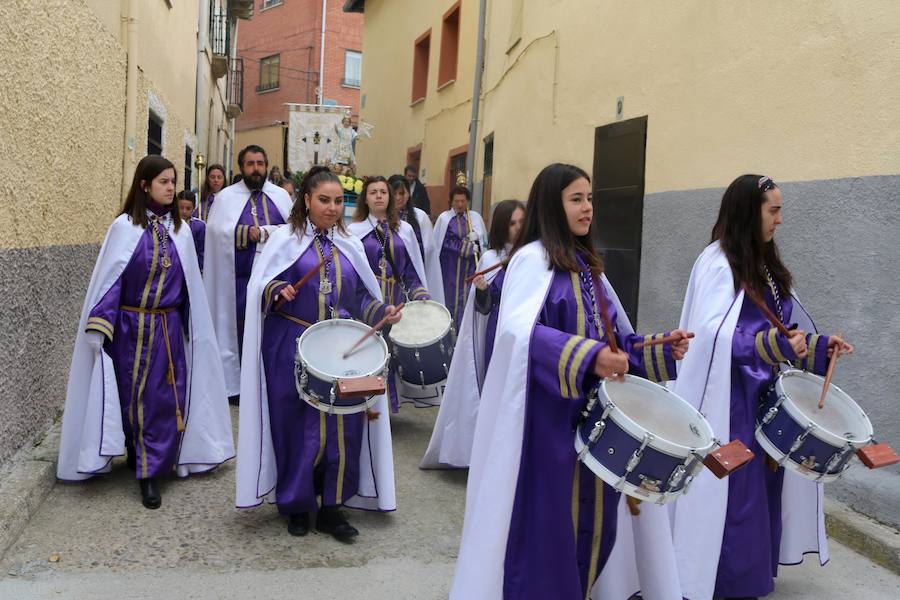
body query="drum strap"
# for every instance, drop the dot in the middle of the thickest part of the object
(390, 258)
(293, 319)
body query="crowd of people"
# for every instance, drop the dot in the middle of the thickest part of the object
(196, 302)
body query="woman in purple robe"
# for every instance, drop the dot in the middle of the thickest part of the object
(316, 454)
(388, 242)
(212, 185)
(745, 263)
(562, 518)
(506, 222)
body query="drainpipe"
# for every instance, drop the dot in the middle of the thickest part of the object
(130, 12)
(322, 53)
(203, 17)
(476, 102)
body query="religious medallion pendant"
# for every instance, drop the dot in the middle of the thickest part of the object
(166, 263)
(325, 287)
(382, 264)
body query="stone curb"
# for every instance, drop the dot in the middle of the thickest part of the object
(25, 481)
(877, 542)
(29, 476)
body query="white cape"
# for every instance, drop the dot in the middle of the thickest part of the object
(92, 431)
(362, 228)
(711, 310)
(218, 268)
(451, 438)
(256, 469)
(641, 559)
(427, 230)
(433, 260)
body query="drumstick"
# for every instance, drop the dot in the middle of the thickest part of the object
(830, 373)
(604, 316)
(477, 274)
(372, 331)
(664, 340)
(768, 313)
(300, 283)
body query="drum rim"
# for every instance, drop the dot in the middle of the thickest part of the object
(341, 410)
(637, 431)
(321, 375)
(826, 435)
(430, 342)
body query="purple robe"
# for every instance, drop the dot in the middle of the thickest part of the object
(459, 259)
(409, 215)
(260, 210)
(141, 345)
(201, 211)
(487, 302)
(748, 562)
(198, 232)
(315, 453)
(563, 523)
(392, 287)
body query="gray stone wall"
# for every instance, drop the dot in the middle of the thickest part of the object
(841, 240)
(43, 291)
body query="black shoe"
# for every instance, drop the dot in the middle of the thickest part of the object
(150, 493)
(298, 524)
(331, 521)
(131, 458)
(234, 400)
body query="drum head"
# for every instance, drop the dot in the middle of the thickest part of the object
(321, 348)
(660, 412)
(424, 322)
(841, 416)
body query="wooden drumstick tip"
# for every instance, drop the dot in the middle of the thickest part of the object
(830, 372)
(669, 339)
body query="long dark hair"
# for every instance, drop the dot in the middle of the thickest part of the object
(500, 219)
(313, 178)
(545, 220)
(204, 190)
(362, 208)
(395, 182)
(137, 201)
(739, 230)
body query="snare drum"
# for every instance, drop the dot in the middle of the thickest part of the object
(319, 364)
(642, 439)
(422, 346)
(815, 443)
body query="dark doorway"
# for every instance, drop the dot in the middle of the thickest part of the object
(619, 157)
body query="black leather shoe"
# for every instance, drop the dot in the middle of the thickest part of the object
(131, 458)
(150, 493)
(298, 524)
(331, 521)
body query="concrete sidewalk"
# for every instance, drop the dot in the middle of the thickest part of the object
(198, 546)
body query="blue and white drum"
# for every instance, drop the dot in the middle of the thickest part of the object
(815, 443)
(642, 439)
(320, 364)
(423, 346)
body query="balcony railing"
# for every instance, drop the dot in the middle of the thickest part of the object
(236, 88)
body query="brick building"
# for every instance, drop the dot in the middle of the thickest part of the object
(281, 52)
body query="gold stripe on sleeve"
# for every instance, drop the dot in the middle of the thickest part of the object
(773, 344)
(576, 365)
(761, 350)
(563, 361)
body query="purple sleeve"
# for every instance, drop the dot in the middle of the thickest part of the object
(367, 309)
(242, 237)
(462, 246)
(655, 363)
(270, 294)
(562, 363)
(102, 317)
(200, 242)
(768, 345)
(816, 360)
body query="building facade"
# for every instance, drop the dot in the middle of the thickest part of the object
(90, 87)
(665, 104)
(284, 63)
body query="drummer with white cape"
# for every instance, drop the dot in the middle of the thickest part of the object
(239, 222)
(290, 452)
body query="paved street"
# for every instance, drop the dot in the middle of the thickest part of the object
(198, 547)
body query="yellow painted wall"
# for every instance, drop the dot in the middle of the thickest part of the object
(62, 115)
(440, 122)
(270, 138)
(803, 90)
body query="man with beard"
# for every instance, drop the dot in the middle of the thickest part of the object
(243, 217)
